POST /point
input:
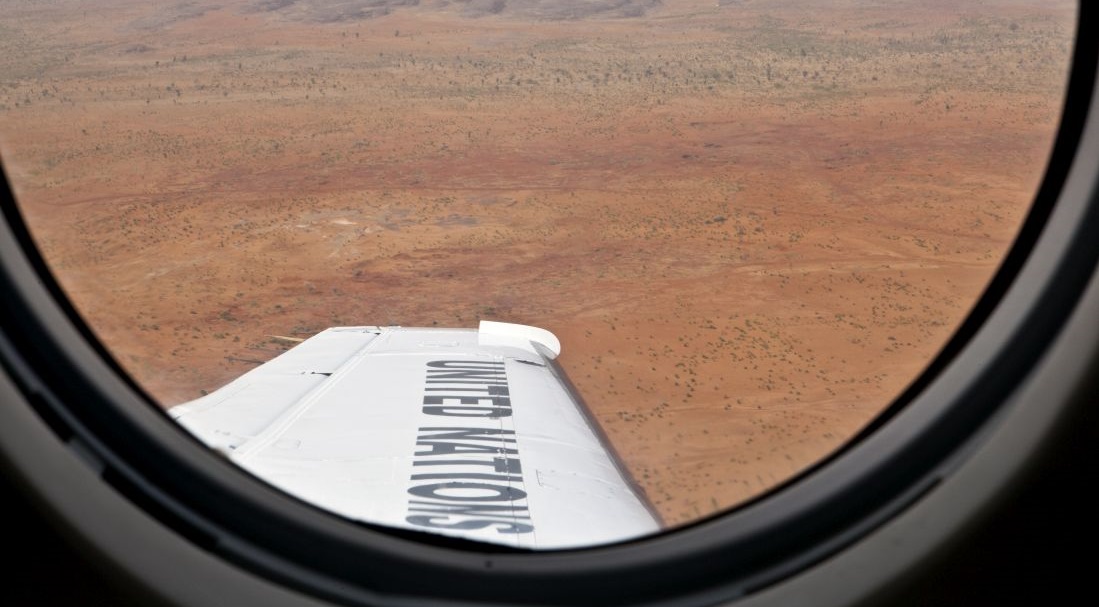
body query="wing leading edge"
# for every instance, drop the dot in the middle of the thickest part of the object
(469, 433)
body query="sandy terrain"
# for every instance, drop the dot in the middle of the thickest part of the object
(750, 223)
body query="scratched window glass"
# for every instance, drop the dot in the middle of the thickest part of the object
(545, 273)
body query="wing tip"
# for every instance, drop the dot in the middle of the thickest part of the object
(512, 330)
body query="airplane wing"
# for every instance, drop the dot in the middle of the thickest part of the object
(469, 433)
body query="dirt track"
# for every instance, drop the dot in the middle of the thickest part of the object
(750, 224)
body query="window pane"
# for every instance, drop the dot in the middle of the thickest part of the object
(750, 223)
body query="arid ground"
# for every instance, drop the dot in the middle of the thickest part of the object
(750, 223)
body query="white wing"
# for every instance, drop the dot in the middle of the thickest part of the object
(468, 433)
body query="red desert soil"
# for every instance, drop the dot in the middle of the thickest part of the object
(750, 223)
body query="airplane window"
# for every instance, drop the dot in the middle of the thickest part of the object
(747, 226)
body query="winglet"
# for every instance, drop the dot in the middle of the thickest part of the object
(525, 332)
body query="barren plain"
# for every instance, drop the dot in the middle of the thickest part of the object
(750, 223)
